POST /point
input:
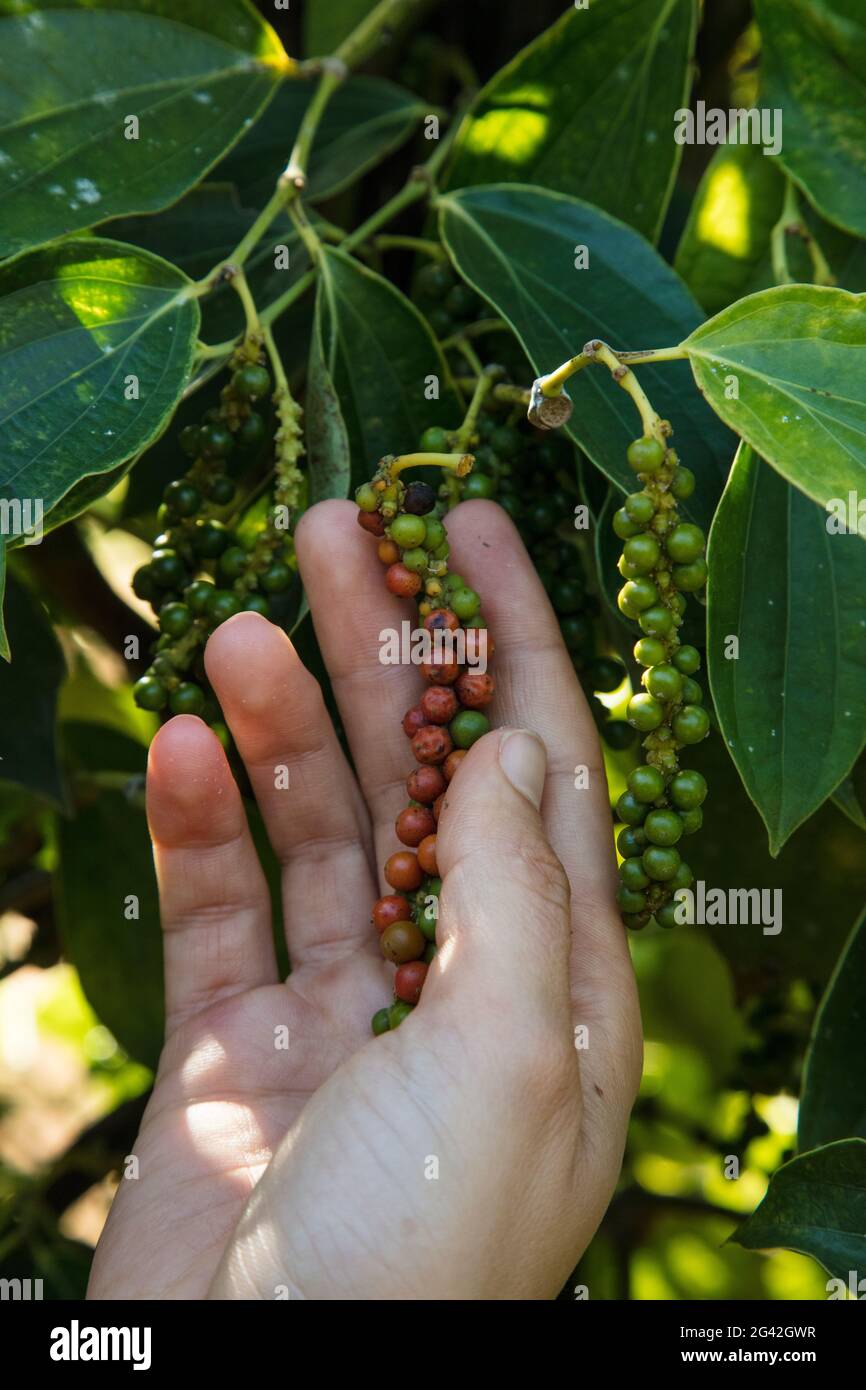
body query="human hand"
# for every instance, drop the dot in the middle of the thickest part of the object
(335, 1137)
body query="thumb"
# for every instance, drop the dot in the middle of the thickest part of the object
(503, 930)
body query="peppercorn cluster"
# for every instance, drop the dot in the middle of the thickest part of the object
(662, 560)
(531, 479)
(448, 718)
(200, 574)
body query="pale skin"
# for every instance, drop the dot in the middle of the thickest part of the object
(307, 1172)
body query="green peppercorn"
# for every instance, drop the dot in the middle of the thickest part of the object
(187, 699)
(567, 596)
(633, 875)
(144, 586)
(576, 631)
(663, 827)
(660, 862)
(630, 901)
(441, 552)
(197, 594)
(691, 724)
(542, 517)
(435, 280)
(256, 603)
(644, 713)
(645, 455)
(465, 603)
(398, 1012)
(220, 490)
(629, 810)
(640, 507)
(656, 621)
(276, 578)
(175, 619)
(507, 441)
(366, 498)
(687, 659)
(435, 534)
(664, 681)
(380, 1023)
(646, 783)
(429, 953)
(690, 578)
(427, 921)
(167, 568)
(150, 693)
(631, 841)
(250, 432)
(467, 727)
(233, 562)
(189, 440)
(435, 441)
(605, 674)
(692, 820)
(479, 485)
(642, 553)
(688, 789)
(637, 596)
(678, 604)
(692, 692)
(407, 531)
(216, 441)
(617, 734)
(223, 604)
(182, 498)
(683, 878)
(649, 651)
(210, 538)
(685, 543)
(624, 526)
(682, 483)
(416, 560)
(666, 915)
(252, 382)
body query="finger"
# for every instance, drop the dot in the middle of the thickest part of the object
(214, 903)
(537, 688)
(503, 930)
(314, 814)
(351, 609)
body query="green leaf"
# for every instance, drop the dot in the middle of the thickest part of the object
(381, 357)
(328, 22)
(724, 252)
(28, 697)
(193, 74)
(365, 120)
(516, 246)
(794, 596)
(589, 105)
(105, 858)
(77, 320)
(815, 1204)
(833, 1100)
(820, 875)
(796, 357)
(850, 795)
(329, 463)
(813, 57)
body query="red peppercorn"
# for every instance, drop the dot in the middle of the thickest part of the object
(392, 908)
(402, 581)
(413, 720)
(440, 672)
(437, 807)
(439, 704)
(425, 784)
(409, 981)
(427, 855)
(402, 941)
(372, 522)
(442, 618)
(432, 744)
(414, 824)
(403, 872)
(388, 552)
(474, 689)
(453, 761)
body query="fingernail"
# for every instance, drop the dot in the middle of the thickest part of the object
(523, 759)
